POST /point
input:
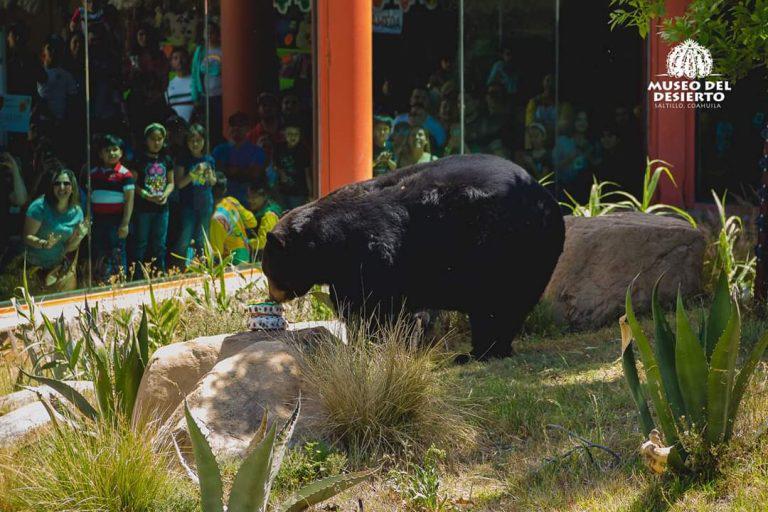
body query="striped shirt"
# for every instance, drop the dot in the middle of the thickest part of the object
(179, 96)
(108, 187)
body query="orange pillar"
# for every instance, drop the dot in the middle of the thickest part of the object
(344, 92)
(671, 132)
(239, 75)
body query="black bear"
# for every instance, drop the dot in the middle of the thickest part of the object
(472, 233)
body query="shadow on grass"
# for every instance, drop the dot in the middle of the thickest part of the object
(662, 494)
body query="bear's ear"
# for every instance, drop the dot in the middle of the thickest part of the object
(276, 239)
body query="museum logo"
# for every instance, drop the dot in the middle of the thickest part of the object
(689, 81)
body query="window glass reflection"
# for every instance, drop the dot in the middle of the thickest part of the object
(129, 100)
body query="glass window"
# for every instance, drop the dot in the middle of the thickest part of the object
(134, 99)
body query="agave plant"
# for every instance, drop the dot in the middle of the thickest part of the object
(117, 367)
(253, 482)
(692, 380)
(650, 184)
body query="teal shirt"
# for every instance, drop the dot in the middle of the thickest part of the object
(51, 221)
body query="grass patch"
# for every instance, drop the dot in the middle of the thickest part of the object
(384, 394)
(110, 469)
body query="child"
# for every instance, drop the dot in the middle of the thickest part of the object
(266, 211)
(230, 224)
(240, 160)
(383, 157)
(292, 163)
(194, 180)
(112, 191)
(155, 181)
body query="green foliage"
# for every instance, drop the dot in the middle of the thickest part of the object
(163, 316)
(692, 380)
(597, 204)
(253, 482)
(635, 13)
(650, 184)
(419, 485)
(740, 272)
(735, 31)
(212, 266)
(547, 179)
(542, 321)
(312, 461)
(117, 367)
(107, 468)
(49, 344)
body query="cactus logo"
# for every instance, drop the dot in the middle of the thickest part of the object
(689, 59)
(689, 81)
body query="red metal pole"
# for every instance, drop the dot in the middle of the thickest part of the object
(344, 92)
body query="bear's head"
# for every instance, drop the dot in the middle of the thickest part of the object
(290, 255)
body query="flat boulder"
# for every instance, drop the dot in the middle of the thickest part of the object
(230, 400)
(602, 255)
(175, 371)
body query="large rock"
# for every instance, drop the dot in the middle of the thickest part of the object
(174, 370)
(602, 256)
(232, 398)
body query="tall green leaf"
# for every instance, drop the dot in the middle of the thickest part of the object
(250, 489)
(321, 490)
(68, 392)
(719, 314)
(652, 373)
(722, 371)
(665, 355)
(282, 439)
(692, 370)
(211, 489)
(742, 380)
(633, 381)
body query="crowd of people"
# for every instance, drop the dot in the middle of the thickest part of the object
(165, 172)
(159, 184)
(545, 138)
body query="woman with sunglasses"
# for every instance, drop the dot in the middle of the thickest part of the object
(54, 223)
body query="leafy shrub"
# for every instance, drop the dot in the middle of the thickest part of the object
(542, 321)
(312, 461)
(692, 381)
(117, 367)
(419, 485)
(597, 203)
(109, 468)
(384, 393)
(726, 254)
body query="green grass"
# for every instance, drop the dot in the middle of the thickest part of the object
(110, 469)
(575, 380)
(515, 464)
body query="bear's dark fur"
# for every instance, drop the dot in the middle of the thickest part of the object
(470, 233)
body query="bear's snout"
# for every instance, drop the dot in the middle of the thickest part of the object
(275, 293)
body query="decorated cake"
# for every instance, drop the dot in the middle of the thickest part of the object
(266, 316)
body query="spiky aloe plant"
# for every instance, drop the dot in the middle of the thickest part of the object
(692, 380)
(117, 368)
(253, 482)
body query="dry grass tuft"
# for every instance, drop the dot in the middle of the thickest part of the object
(385, 394)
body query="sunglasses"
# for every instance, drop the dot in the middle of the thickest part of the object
(62, 184)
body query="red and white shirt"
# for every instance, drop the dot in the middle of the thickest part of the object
(108, 187)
